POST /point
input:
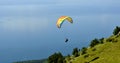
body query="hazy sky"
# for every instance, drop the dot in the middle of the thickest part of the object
(28, 27)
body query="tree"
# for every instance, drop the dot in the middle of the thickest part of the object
(94, 42)
(75, 52)
(101, 40)
(116, 30)
(56, 58)
(60, 60)
(84, 49)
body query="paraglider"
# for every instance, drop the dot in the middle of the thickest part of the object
(66, 40)
(61, 20)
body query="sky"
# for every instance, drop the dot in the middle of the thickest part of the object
(28, 27)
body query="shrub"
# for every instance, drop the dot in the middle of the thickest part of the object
(75, 52)
(94, 49)
(56, 58)
(111, 40)
(86, 56)
(94, 42)
(101, 40)
(83, 51)
(116, 30)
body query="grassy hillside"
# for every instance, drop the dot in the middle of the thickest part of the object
(108, 52)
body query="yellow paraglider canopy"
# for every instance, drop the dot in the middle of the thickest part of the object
(62, 19)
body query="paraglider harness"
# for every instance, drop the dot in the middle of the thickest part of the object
(66, 40)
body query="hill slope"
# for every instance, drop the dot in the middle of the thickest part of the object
(108, 52)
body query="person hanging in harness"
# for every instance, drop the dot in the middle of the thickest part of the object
(66, 40)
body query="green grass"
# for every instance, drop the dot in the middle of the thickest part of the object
(108, 52)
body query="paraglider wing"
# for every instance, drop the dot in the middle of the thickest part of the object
(62, 19)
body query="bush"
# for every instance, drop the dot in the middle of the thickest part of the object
(75, 52)
(111, 40)
(94, 49)
(94, 42)
(83, 51)
(101, 40)
(56, 58)
(86, 56)
(116, 30)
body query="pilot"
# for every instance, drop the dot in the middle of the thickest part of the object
(66, 40)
